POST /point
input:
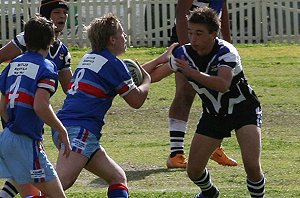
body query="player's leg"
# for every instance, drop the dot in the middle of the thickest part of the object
(178, 116)
(200, 151)
(106, 168)
(27, 190)
(52, 188)
(69, 168)
(9, 190)
(249, 138)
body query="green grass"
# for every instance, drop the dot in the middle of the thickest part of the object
(139, 139)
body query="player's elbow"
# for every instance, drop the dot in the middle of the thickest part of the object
(136, 104)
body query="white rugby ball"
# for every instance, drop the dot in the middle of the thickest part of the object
(135, 71)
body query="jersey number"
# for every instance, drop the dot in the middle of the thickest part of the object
(12, 96)
(75, 85)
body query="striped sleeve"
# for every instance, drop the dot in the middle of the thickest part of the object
(47, 84)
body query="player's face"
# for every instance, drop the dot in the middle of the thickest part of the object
(120, 41)
(59, 17)
(200, 38)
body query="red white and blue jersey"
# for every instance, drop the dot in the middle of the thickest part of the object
(58, 53)
(223, 54)
(19, 82)
(99, 77)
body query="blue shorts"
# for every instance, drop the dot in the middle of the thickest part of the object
(82, 141)
(24, 159)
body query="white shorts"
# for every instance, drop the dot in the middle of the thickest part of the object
(24, 159)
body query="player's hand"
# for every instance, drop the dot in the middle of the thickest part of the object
(183, 66)
(64, 139)
(164, 57)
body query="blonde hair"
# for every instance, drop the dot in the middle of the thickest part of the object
(100, 30)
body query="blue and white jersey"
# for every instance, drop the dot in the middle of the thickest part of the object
(224, 54)
(19, 82)
(58, 53)
(99, 77)
(214, 4)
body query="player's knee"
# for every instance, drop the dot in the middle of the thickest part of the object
(195, 170)
(66, 184)
(118, 178)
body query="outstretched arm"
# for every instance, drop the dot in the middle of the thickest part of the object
(159, 68)
(9, 51)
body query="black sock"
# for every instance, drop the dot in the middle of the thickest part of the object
(205, 184)
(256, 189)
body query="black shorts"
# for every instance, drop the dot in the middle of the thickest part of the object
(219, 127)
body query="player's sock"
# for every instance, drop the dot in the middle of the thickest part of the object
(117, 191)
(256, 189)
(204, 182)
(8, 190)
(177, 132)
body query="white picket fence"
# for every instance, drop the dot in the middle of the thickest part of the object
(149, 22)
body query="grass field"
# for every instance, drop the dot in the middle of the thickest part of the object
(139, 139)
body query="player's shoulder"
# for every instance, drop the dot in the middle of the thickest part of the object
(181, 50)
(226, 47)
(62, 47)
(49, 65)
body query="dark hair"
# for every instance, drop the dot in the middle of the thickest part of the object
(207, 16)
(38, 33)
(48, 5)
(100, 29)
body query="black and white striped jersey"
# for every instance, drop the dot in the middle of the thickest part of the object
(223, 54)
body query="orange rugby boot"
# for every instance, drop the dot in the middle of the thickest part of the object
(178, 161)
(220, 157)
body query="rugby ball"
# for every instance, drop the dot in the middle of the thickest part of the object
(135, 71)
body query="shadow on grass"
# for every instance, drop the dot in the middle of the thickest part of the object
(135, 175)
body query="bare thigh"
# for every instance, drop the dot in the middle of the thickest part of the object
(106, 168)
(52, 189)
(200, 152)
(68, 169)
(249, 139)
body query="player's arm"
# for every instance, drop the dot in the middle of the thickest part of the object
(44, 110)
(220, 83)
(64, 77)
(160, 72)
(9, 51)
(225, 26)
(159, 68)
(3, 111)
(182, 10)
(136, 97)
